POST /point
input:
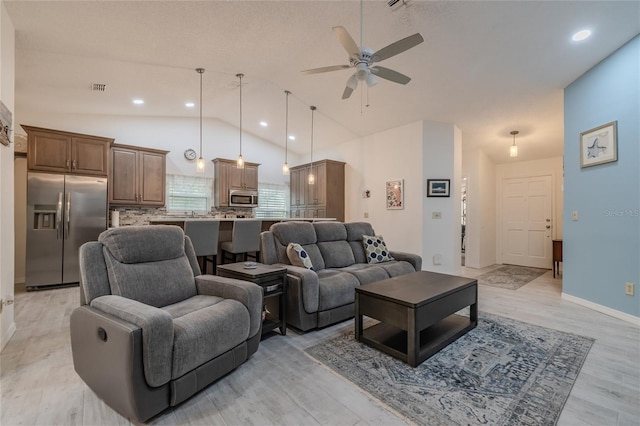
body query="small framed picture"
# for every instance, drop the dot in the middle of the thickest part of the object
(599, 145)
(395, 194)
(438, 187)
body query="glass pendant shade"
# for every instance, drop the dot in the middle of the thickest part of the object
(311, 179)
(285, 166)
(513, 150)
(240, 161)
(200, 164)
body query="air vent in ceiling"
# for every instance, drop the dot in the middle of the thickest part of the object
(98, 87)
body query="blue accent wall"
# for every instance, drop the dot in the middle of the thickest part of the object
(602, 248)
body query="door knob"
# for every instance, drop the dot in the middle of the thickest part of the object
(548, 226)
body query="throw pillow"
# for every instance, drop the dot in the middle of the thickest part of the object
(298, 256)
(375, 249)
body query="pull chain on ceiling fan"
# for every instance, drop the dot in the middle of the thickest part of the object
(362, 59)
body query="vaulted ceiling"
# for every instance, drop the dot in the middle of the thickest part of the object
(488, 66)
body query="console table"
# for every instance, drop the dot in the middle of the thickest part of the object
(272, 279)
(557, 256)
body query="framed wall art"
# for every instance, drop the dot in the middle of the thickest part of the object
(5, 124)
(438, 187)
(599, 145)
(395, 194)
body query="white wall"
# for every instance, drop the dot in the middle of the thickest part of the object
(412, 152)
(442, 159)
(545, 167)
(480, 243)
(371, 162)
(219, 139)
(7, 95)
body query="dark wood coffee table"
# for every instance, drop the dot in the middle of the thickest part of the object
(416, 313)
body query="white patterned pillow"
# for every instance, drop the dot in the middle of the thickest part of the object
(375, 249)
(298, 256)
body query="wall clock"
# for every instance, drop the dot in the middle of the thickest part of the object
(190, 154)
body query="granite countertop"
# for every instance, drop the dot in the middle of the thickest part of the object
(230, 219)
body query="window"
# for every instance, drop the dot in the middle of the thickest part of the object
(273, 201)
(188, 193)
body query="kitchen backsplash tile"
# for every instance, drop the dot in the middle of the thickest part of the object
(134, 216)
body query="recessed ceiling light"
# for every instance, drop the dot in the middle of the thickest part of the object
(138, 101)
(292, 138)
(581, 35)
(189, 104)
(264, 123)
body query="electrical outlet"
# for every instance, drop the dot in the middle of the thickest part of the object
(629, 289)
(436, 215)
(574, 215)
(437, 259)
(366, 215)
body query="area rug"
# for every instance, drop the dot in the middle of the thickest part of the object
(503, 372)
(510, 276)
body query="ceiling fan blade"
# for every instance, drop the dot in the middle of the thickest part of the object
(347, 41)
(391, 75)
(326, 69)
(347, 92)
(397, 47)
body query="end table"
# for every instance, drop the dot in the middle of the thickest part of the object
(272, 279)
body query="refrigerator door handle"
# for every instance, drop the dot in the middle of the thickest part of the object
(58, 215)
(67, 215)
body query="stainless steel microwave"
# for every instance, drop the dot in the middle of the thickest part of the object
(241, 198)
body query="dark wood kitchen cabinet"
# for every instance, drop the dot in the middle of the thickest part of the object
(65, 152)
(138, 176)
(325, 198)
(227, 176)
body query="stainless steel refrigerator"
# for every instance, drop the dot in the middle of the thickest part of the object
(63, 212)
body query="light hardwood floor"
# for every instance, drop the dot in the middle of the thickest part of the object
(282, 385)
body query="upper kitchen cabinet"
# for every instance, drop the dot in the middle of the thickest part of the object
(65, 152)
(325, 198)
(138, 176)
(227, 177)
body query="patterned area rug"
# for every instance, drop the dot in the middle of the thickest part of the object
(503, 372)
(510, 276)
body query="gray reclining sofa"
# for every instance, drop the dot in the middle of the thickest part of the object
(151, 330)
(325, 295)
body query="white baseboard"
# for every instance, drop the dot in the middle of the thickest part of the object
(603, 309)
(7, 336)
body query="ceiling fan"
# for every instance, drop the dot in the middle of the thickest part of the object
(363, 58)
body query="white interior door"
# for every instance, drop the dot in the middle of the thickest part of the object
(526, 221)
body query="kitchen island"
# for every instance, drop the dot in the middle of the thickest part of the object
(226, 224)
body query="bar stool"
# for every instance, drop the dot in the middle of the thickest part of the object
(204, 237)
(245, 240)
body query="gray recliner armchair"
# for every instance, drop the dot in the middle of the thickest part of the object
(151, 330)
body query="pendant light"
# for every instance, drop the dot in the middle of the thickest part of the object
(513, 151)
(200, 164)
(240, 162)
(285, 166)
(311, 180)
